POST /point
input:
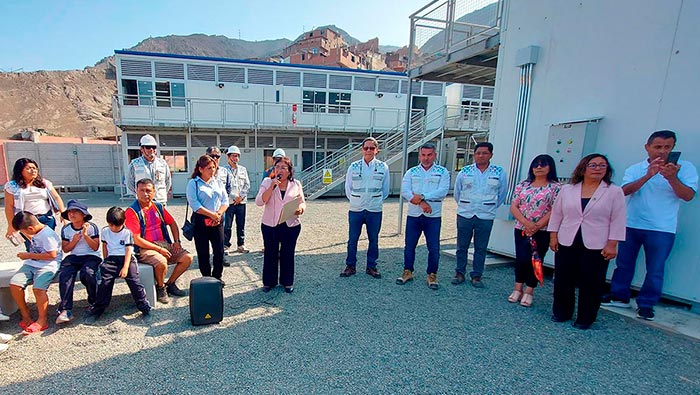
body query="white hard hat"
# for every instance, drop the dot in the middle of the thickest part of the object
(279, 153)
(233, 150)
(148, 140)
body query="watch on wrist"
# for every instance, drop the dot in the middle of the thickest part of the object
(176, 241)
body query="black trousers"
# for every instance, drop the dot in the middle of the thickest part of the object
(280, 242)
(203, 236)
(110, 271)
(72, 265)
(524, 273)
(577, 265)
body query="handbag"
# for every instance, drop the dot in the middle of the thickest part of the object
(188, 226)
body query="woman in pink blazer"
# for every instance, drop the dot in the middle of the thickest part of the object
(587, 221)
(280, 240)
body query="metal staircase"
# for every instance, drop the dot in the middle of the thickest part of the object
(391, 150)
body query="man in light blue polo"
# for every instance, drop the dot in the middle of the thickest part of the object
(655, 188)
(425, 187)
(366, 186)
(479, 189)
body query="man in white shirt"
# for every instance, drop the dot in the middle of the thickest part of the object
(150, 166)
(479, 189)
(237, 197)
(425, 187)
(655, 187)
(366, 186)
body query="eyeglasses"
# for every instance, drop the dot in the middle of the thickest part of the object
(215, 156)
(149, 147)
(540, 164)
(369, 148)
(597, 166)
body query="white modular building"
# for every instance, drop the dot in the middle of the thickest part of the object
(577, 77)
(317, 114)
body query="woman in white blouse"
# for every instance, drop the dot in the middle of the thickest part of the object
(28, 191)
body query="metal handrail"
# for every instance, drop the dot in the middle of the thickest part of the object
(392, 147)
(443, 17)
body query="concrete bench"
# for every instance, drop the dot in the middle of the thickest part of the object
(8, 269)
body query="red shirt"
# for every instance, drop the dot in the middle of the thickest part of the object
(153, 232)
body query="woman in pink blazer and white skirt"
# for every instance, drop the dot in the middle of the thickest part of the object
(587, 221)
(280, 240)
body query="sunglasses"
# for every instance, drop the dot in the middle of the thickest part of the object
(369, 148)
(149, 147)
(539, 164)
(215, 156)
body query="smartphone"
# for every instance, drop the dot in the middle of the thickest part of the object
(673, 157)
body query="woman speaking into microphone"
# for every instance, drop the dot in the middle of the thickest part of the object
(280, 234)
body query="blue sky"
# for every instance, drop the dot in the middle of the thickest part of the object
(65, 35)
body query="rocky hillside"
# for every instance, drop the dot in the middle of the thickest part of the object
(64, 103)
(78, 103)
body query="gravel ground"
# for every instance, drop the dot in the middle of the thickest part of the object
(333, 335)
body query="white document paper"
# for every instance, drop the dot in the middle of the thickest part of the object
(288, 210)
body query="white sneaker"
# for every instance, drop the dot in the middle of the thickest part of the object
(65, 316)
(3, 347)
(4, 338)
(3, 317)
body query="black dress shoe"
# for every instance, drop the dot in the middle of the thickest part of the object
(266, 288)
(226, 263)
(557, 319)
(582, 327)
(289, 289)
(373, 272)
(348, 271)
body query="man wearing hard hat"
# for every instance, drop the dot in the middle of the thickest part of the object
(279, 153)
(149, 165)
(237, 197)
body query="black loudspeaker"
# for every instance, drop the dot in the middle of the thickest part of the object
(206, 301)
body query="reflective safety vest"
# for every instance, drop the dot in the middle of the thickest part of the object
(366, 191)
(160, 170)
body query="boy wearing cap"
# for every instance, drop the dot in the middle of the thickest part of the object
(237, 197)
(150, 166)
(80, 240)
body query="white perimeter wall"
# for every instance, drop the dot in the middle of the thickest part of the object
(636, 64)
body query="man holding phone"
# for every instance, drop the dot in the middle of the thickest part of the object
(655, 187)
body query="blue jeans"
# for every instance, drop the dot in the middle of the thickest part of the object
(430, 227)
(373, 222)
(236, 212)
(657, 247)
(481, 230)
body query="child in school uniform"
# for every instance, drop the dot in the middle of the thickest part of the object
(39, 268)
(80, 240)
(119, 262)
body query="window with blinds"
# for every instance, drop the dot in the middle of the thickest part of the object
(172, 140)
(487, 93)
(170, 70)
(136, 68)
(336, 143)
(432, 88)
(232, 74)
(314, 80)
(228, 140)
(365, 84)
(203, 141)
(471, 92)
(263, 142)
(200, 72)
(287, 142)
(340, 82)
(260, 76)
(288, 78)
(388, 86)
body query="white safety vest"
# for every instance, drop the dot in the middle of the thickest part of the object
(159, 176)
(366, 183)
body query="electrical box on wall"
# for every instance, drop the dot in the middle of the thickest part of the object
(568, 142)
